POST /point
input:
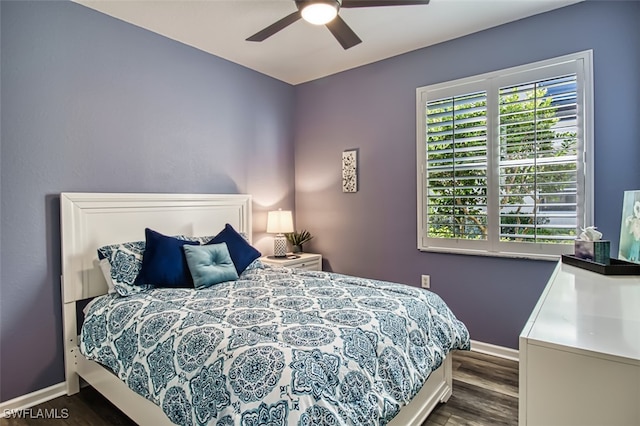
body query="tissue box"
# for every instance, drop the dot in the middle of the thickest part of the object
(595, 251)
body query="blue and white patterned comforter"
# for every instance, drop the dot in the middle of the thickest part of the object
(278, 346)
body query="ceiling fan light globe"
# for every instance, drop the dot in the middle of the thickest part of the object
(320, 13)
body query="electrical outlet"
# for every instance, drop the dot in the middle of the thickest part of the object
(426, 281)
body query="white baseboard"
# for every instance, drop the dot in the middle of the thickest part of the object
(499, 351)
(34, 398)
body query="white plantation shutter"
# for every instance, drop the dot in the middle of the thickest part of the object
(456, 172)
(538, 166)
(502, 165)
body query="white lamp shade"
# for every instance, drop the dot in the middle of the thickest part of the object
(320, 13)
(279, 222)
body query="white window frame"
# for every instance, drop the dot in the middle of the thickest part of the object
(580, 63)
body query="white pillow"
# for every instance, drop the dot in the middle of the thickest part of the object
(105, 266)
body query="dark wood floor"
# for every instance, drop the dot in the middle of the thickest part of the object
(485, 392)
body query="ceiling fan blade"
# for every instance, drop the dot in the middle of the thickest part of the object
(274, 28)
(343, 33)
(375, 3)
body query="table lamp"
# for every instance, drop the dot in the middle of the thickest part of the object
(279, 222)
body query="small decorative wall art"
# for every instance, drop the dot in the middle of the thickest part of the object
(629, 248)
(350, 170)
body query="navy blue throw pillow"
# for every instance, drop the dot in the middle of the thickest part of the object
(163, 262)
(242, 253)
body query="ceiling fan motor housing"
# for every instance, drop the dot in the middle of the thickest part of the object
(301, 4)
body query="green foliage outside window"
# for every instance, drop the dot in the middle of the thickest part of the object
(537, 167)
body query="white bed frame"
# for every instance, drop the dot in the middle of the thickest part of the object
(91, 220)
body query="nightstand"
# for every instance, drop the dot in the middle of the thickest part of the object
(307, 261)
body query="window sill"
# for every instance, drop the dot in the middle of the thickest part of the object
(471, 252)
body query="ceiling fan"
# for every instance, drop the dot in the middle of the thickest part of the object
(325, 12)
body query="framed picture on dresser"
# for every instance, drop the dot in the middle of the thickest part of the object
(629, 247)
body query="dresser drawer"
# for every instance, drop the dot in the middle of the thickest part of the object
(306, 261)
(309, 265)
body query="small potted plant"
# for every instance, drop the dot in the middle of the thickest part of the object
(297, 239)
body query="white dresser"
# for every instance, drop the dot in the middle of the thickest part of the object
(580, 352)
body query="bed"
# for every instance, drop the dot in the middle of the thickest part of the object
(272, 346)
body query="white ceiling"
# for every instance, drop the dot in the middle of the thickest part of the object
(304, 52)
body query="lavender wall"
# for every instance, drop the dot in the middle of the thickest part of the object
(90, 103)
(373, 232)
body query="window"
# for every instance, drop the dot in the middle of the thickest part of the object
(502, 160)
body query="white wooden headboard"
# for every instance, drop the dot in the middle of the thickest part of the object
(92, 220)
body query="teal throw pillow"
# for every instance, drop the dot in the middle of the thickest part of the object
(210, 264)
